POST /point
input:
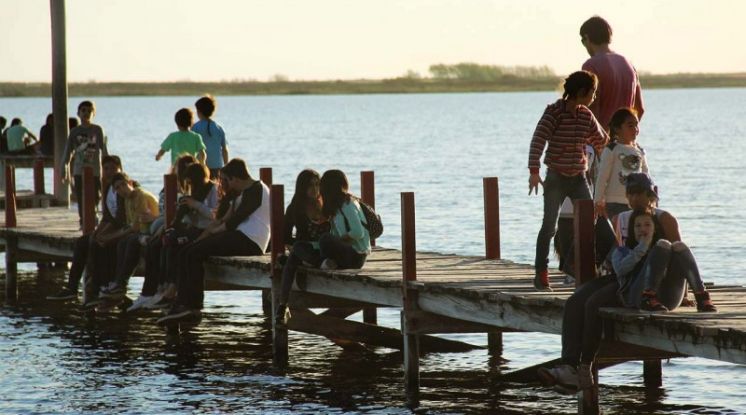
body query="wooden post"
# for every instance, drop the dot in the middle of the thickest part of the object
(10, 196)
(588, 398)
(368, 195)
(39, 176)
(652, 373)
(585, 241)
(279, 334)
(89, 201)
(495, 343)
(11, 267)
(491, 218)
(409, 274)
(265, 175)
(59, 98)
(171, 188)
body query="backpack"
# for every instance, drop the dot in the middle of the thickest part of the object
(374, 224)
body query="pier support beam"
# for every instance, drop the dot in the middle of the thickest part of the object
(39, 177)
(491, 218)
(652, 373)
(368, 194)
(59, 98)
(585, 241)
(170, 189)
(409, 303)
(265, 175)
(279, 333)
(495, 343)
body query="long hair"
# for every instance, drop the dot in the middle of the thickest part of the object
(334, 191)
(198, 176)
(305, 180)
(180, 168)
(619, 117)
(657, 232)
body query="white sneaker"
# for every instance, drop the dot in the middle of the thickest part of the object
(141, 302)
(569, 280)
(564, 378)
(153, 301)
(328, 264)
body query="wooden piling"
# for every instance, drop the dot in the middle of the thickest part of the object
(89, 201)
(491, 218)
(585, 241)
(39, 177)
(368, 195)
(265, 175)
(59, 98)
(652, 373)
(409, 300)
(279, 333)
(10, 196)
(171, 188)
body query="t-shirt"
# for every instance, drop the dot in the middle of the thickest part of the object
(16, 134)
(87, 143)
(180, 143)
(213, 137)
(618, 86)
(141, 201)
(111, 201)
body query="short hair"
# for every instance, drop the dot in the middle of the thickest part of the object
(577, 82)
(112, 159)
(597, 29)
(88, 104)
(3, 121)
(16, 121)
(73, 122)
(206, 105)
(184, 118)
(236, 169)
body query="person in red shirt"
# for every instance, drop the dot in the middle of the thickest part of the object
(618, 83)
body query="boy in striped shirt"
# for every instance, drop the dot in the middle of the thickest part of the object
(567, 126)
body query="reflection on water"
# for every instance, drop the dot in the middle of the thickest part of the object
(57, 359)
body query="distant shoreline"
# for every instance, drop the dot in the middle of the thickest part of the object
(507, 83)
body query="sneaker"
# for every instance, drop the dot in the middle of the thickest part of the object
(92, 303)
(164, 302)
(140, 303)
(704, 303)
(179, 313)
(564, 378)
(64, 295)
(328, 264)
(541, 281)
(585, 376)
(113, 290)
(282, 315)
(155, 299)
(650, 302)
(569, 280)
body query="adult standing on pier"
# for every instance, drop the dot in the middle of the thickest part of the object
(618, 84)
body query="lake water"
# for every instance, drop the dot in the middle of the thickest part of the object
(52, 359)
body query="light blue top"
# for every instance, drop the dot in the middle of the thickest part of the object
(357, 232)
(214, 141)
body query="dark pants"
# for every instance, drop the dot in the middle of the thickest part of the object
(80, 259)
(302, 251)
(169, 261)
(152, 267)
(102, 263)
(128, 255)
(78, 188)
(581, 325)
(191, 291)
(341, 252)
(556, 188)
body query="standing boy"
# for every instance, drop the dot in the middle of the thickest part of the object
(184, 141)
(87, 142)
(212, 135)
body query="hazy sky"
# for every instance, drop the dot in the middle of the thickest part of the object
(143, 40)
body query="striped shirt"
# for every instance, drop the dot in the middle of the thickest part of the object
(567, 134)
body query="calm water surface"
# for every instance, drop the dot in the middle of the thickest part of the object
(53, 359)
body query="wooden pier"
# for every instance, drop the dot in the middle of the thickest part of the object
(437, 293)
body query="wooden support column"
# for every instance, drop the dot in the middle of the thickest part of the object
(409, 300)
(89, 201)
(491, 218)
(59, 98)
(585, 241)
(265, 175)
(495, 343)
(652, 373)
(368, 194)
(279, 333)
(10, 196)
(171, 188)
(39, 177)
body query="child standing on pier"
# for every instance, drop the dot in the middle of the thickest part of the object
(87, 143)
(184, 141)
(212, 135)
(566, 126)
(619, 159)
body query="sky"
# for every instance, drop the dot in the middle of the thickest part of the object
(224, 40)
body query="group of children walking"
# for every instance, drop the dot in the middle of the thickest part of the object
(222, 211)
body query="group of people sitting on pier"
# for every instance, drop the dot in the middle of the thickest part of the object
(222, 211)
(642, 260)
(18, 140)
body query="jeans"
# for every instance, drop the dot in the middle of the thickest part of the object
(556, 188)
(101, 266)
(152, 267)
(191, 291)
(302, 252)
(169, 255)
(340, 252)
(668, 267)
(581, 325)
(128, 255)
(78, 188)
(80, 259)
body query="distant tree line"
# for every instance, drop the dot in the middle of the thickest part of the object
(487, 73)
